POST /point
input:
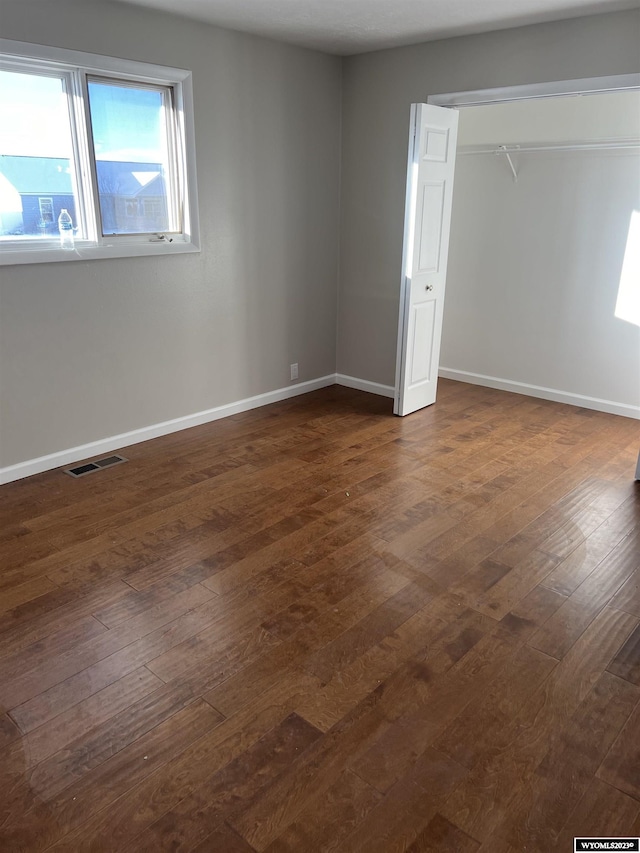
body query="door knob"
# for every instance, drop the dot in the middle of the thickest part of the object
(429, 287)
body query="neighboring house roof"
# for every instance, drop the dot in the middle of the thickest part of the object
(52, 176)
(37, 175)
(132, 180)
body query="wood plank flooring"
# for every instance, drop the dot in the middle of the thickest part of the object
(316, 627)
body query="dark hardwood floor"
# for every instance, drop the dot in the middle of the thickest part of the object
(317, 627)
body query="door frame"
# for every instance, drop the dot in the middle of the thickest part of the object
(530, 91)
(503, 94)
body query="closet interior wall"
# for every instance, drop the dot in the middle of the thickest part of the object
(535, 262)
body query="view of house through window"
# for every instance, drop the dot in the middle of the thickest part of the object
(132, 152)
(36, 155)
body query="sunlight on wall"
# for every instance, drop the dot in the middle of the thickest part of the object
(628, 302)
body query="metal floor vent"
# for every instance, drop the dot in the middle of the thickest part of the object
(96, 465)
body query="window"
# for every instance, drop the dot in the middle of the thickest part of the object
(109, 141)
(46, 211)
(133, 119)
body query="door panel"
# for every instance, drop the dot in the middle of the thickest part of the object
(422, 333)
(436, 144)
(431, 161)
(430, 226)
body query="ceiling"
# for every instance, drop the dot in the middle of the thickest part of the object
(356, 26)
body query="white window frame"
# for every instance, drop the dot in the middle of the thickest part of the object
(75, 67)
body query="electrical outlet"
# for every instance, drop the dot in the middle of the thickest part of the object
(294, 370)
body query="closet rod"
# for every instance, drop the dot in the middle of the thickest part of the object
(628, 144)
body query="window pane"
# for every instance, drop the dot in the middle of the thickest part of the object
(36, 156)
(131, 145)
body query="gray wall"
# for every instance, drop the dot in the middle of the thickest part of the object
(378, 89)
(92, 349)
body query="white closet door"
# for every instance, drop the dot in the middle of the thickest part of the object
(432, 153)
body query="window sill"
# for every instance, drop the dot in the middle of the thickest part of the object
(92, 252)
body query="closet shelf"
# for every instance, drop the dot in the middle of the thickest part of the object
(532, 148)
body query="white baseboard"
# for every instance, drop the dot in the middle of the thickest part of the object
(544, 393)
(125, 439)
(365, 385)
